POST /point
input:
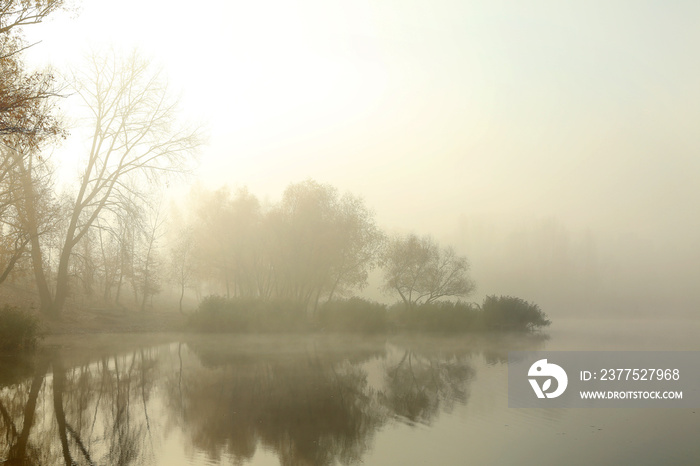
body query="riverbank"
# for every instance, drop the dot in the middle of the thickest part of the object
(87, 321)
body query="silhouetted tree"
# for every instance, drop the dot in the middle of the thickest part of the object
(421, 272)
(181, 261)
(27, 122)
(135, 138)
(324, 243)
(18, 13)
(149, 264)
(314, 243)
(227, 232)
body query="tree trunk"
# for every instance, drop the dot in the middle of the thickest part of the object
(59, 377)
(145, 290)
(18, 450)
(45, 299)
(32, 225)
(61, 283)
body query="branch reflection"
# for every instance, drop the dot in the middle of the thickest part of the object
(307, 405)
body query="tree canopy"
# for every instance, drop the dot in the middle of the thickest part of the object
(419, 271)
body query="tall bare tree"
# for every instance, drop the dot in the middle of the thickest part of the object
(148, 269)
(27, 123)
(135, 139)
(181, 263)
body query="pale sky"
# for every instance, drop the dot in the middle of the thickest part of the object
(587, 112)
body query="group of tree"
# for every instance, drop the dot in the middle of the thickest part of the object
(104, 239)
(314, 244)
(28, 123)
(102, 232)
(306, 408)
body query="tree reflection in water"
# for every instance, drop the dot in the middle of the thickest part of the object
(417, 386)
(81, 415)
(307, 407)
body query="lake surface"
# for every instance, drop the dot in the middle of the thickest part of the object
(315, 400)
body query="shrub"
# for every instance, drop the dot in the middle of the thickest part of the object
(441, 316)
(512, 314)
(219, 314)
(353, 315)
(19, 329)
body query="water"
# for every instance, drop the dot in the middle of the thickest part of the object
(295, 400)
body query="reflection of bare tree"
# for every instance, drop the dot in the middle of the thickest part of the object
(59, 382)
(80, 416)
(417, 386)
(309, 407)
(18, 451)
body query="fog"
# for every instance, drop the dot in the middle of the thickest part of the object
(553, 145)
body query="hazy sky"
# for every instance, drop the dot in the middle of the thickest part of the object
(584, 111)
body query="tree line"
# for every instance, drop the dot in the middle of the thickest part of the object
(135, 141)
(312, 246)
(111, 240)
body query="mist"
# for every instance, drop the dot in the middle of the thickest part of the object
(552, 145)
(320, 232)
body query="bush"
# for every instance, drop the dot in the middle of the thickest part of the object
(255, 315)
(219, 314)
(353, 315)
(442, 316)
(512, 314)
(19, 329)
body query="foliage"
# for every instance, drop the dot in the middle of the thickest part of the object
(353, 315)
(421, 272)
(255, 315)
(19, 329)
(26, 116)
(219, 314)
(28, 122)
(440, 316)
(512, 314)
(228, 241)
(18, 13)
(329, 242)
(314, 243)
(25, 111)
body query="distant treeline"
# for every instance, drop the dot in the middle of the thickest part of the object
(313, 246)
(248, 315)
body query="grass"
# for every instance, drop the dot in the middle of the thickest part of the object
(217, 314)
(353, 315)
(19, 329)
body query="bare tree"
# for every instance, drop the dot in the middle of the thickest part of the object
(148, 267)
(13, 238)
(23, 95)
(135, 139)
(181, 263)
(34, 211)
(18, 13)
(421, 272)
(28, 122)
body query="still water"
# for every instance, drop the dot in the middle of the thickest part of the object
(130, 400)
